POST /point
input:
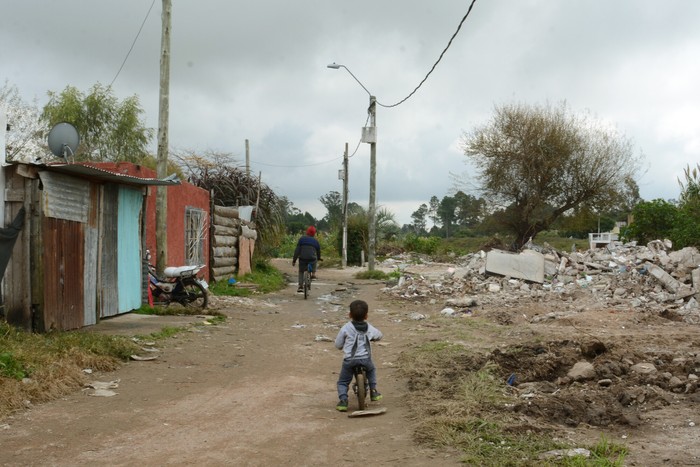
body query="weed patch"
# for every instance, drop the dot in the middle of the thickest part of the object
(459, 399)
(376, 274)
(41, 367)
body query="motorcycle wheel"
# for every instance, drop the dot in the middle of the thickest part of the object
(195, 295)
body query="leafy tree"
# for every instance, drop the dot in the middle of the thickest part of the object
(109, 129)
(446, 213)
(333, 201)
(652, 220)
(433, 210)
(538, 162)
(23, 139)
(583, 221)
(419, 221)
(295, 220)
(470, 209)
(358, 230)
(686, 231)
(387, 228)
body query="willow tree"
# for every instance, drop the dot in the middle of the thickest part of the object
(537, 162)
(110, 129)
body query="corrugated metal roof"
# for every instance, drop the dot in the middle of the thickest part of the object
(88, 171)
(101, 174)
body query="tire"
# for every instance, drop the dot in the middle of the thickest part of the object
(360, 380)
(307, 282)
(195, 295)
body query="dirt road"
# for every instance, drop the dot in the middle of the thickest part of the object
(259, 390)
(256, 391)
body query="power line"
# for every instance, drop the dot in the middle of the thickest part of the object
(133, 44)
(294, 166)
(435, 64)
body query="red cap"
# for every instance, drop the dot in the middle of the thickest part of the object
(311, 231)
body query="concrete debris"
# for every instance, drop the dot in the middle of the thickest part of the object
(649, 278)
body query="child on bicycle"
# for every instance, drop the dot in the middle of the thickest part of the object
(308, 251)
(354, 338)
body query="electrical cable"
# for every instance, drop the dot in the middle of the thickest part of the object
(132, 44)
(435, 64)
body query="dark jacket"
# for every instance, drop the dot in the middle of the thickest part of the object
(308, 250)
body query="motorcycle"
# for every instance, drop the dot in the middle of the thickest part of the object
(180, 284)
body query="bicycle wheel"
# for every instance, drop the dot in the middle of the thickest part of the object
(195, 295)
(361, 381)
(307, 283)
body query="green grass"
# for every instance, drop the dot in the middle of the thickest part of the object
(376, 274)
(167, 332)
(266, 278)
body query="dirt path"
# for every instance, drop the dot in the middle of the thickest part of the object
(260, 389)
(256, 391)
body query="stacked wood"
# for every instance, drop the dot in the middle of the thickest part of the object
(225, 232)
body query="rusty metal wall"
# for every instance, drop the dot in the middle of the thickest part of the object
(63, 259)
(108, 286)
(16, 294)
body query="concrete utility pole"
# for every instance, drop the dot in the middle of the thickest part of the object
(372, 182)
(163, 116)
(345, 207)
(247, 158)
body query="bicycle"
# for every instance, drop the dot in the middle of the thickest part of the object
(360, 386)
(306, 283)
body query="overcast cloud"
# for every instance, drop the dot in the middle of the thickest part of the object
(257, 71)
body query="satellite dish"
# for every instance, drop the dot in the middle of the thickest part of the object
(63, 140)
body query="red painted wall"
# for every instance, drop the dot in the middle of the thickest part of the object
(179, 198)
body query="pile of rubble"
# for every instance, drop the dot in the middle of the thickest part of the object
(649, 278)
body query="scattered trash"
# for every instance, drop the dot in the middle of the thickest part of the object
(561, 453)
(143, 359)
(103, 388)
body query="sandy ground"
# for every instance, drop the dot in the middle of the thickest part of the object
(259, 390)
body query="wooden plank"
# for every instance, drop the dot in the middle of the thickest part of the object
(223, 261)
(225, 240)
(221, 273)
(226, 211)
(226, 221)
(364, 413)
(225, 230)
(221, 251)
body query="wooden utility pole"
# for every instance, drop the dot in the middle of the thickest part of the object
(163, 115)
(344, 262)
(247, 158)
(372, 184)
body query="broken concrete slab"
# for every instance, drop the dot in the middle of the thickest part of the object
(662, 276)
(528, 265)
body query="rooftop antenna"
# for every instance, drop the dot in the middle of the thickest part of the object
(64, 140)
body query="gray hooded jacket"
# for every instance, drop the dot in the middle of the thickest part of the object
(355, 331)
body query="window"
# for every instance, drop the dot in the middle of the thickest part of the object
(195, 233)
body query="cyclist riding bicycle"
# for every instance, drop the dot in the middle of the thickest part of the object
(308, 251)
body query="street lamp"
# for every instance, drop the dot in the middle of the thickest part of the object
(369, 135)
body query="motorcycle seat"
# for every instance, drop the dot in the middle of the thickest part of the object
(181, 271)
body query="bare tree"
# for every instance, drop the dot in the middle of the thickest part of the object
(23, 138)
(537, 162)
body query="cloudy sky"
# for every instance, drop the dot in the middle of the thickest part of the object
(257, 70)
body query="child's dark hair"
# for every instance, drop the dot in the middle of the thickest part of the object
(358, 310)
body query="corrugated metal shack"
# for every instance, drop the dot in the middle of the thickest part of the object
(79, 255)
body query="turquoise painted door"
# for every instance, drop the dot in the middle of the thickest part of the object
(129, 249)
